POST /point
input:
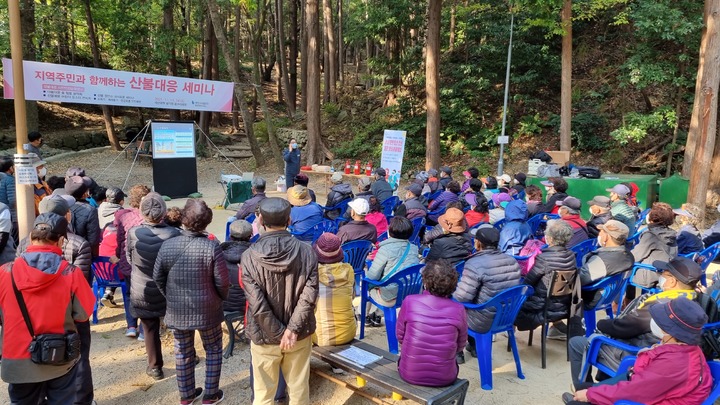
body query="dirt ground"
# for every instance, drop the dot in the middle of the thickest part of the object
(119, 362)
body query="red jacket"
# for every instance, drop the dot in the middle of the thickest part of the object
(56, 295)
(663, 375)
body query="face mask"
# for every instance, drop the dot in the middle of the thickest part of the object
(655, 329)
(661, 282)
(599, 241)
(294, 146)
(42, 172)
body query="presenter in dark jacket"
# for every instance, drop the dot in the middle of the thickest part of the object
(291, 155)
(554, 257)
(487, 273)
(240, 233)
(148, 305)
(432, 329)
(191, 273)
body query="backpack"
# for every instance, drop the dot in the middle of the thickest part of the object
(590, 172)
(532, 248)
(710, 338)
(542, 155)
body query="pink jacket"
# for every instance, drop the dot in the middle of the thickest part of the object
(432, 330)
(663, 375)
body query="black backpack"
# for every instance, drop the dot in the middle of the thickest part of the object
(710, 339)
(589, 172)
(542, 155)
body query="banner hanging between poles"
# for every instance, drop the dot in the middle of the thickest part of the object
(75, 84)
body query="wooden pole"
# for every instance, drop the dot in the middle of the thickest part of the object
(708, 79)
(24, 193)
(566, 81)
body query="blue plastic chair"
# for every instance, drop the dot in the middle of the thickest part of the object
(704, 259)
(635, 239)
(418, 224)
(382, 237)
(229, 221)
(714, 394)
(342, 206)
(434, 195)
(641, 219)
(611, 287)
(106, 275)
(460, 266)
(437, 212)
(356, 252)
(255, 238)
(250, 218)
(389, 205)
(408, 281)
(536, 221)
(582, 249)
(307, 236)
(591, 356)
(499, 224)
(631, 284)
(507, 304)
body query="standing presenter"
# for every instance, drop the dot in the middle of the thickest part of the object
(291, 155)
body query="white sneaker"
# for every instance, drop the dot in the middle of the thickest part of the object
(555, 334)
(131, 332)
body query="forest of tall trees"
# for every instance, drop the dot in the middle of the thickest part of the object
(614, 79)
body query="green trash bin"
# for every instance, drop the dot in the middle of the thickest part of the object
(674, 190)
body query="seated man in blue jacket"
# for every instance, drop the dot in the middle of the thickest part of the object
(304, 214)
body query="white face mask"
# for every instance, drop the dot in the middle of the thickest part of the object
(42, 172)
(661, 282)
(655, 329)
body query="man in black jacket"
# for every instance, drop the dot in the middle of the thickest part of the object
(556, 188)
(678, 279)
(85, 222)
(280, 275)
(381, 189)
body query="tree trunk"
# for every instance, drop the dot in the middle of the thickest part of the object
(204, 122)
(692, 137)
(708, 79)
(169, 27)
(340, 44)
(566, 79)
(312, 97)
(277, 156)
(235, 75)
(678, 111)
(453, 16)
(292, 88)
(214, 75)
(279, 22)
(236, 62)
(109, 127)
(27, 19)
(331, 53)
(432, 90)
(304, 59)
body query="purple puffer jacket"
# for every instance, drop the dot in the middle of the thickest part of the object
(445, 198)
(432, 330)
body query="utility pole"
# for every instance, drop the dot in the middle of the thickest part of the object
(23, 192)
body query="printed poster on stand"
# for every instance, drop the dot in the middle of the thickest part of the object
(393, 151)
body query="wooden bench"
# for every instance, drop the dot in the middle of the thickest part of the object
(383, 373)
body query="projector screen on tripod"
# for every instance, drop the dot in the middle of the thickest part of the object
(172, 140)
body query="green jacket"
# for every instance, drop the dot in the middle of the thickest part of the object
(622, 212)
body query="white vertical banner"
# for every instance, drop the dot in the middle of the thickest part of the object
(392, 155)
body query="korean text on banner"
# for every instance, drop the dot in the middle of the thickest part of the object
(392, 154)
(74, 84)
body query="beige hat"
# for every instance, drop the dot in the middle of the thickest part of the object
(453, 221)
(336, 177)
(616, 229)
(299, 196)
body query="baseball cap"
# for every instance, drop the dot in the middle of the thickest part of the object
(53, 222)
(600, 201)
(364, 182)
(619, 189)
(360, 206)
(56, 204)
(380, 172)
(682, 268)
(570, 202)
(505, 178)
(521, 177)
(547, 183)
(487, 234)
(414, 188)
(336, 177)
(432, 172)
(616, 229)
(446, 169)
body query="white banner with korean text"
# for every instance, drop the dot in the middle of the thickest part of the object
(393, 151)
(75, 84)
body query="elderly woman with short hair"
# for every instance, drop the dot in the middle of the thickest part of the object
(556, 256)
